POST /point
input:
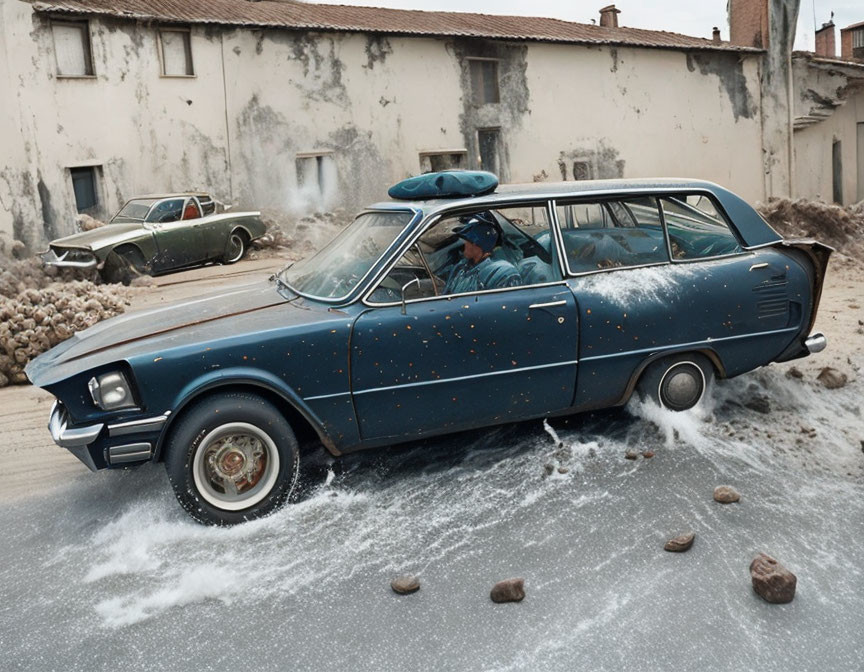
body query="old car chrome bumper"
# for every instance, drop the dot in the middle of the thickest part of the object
(79, 440)
(815, 342)
(69, 259)
(76, 440)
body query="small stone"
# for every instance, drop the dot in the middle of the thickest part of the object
(862, 445)
(794, 372)
(726, 494)
(832, 379)
(681, 543)
(759, 404)
(405, 584)
(563, 470)
(632, 454)
(509, 590)
(549, 469)
(647, 454)
(771, 580)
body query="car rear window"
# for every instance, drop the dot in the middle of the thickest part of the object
(612, 234)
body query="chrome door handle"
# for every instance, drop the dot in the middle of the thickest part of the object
(755, 266)
(551, 304)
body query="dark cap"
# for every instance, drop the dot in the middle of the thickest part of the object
(480, 229)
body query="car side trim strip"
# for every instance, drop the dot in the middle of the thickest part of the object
(446, 380)
(707, 341)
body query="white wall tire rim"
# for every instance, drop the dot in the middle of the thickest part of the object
(666, 375)
(202, 472)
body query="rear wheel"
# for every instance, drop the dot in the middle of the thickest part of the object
(233, 457)
(678, 382)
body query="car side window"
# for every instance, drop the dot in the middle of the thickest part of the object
(476, 251)
(170, 210)
(191, 210)
(697, 229)
(612, 234)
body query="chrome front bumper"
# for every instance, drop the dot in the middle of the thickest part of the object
(50, 258)
(815, 342)
(77, 440)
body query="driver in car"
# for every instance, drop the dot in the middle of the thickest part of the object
(478, 270)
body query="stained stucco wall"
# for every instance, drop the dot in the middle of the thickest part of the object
(261, 97)
(823, 90)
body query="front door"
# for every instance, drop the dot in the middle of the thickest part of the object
(179, 242)
(450, 363)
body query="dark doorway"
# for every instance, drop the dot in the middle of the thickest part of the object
(837, 171)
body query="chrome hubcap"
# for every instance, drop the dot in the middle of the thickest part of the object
(235, 247)
(235, 466)
(682, 386)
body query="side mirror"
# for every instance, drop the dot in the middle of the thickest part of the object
(415, 281)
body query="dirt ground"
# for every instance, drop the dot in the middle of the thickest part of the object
(33, 464)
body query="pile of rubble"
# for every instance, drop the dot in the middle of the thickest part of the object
(842, 228)
(40, 307)
(296, 238)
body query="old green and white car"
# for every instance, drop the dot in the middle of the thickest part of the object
(159, 234)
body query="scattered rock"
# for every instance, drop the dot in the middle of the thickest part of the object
(405, 584)
(647, 454)
(632, 454)
(771, 580)
(862, 441)
(759, 404)
(832, 378)
(681, 543)
(509, 590)
(563, 470)
(548, 469)
(794, 372)
(726, 494)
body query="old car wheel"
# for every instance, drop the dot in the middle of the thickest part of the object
(677, 383)
(236, 248)
(122, 267)
(232, 458)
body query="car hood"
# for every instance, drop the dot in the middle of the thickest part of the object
(225, 314)
(105, 236)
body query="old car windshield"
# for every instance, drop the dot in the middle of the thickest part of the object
(335, 269)
(169, 210)
(134, 211)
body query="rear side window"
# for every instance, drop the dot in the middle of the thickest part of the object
(697, 229)
(612, 234)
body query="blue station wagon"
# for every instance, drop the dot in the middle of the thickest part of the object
(463, 307)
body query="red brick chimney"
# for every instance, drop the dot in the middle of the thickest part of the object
(609, 16)
(748, 23)
(825, 45)
(715, 35)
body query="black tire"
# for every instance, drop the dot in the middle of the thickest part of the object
(235, 248)
(678, 382)
(123, 266)
(214, 447)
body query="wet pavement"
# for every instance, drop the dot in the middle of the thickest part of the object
(107, 572)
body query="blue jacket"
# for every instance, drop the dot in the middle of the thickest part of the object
(488, 274)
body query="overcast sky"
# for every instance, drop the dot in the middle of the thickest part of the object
(691, 17)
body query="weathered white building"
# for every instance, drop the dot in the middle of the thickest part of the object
(277, 104)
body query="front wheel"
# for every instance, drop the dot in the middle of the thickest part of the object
(232, 458)
(678, 382)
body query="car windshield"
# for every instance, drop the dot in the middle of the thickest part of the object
(134, 211)
(169, 210)
(335, 269)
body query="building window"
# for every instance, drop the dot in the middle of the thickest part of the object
(72, 48)
(858, 39)
(484, 80)
(432, 162)
(316, 179)
(176, 49)
(488, 140)
(84, 184)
